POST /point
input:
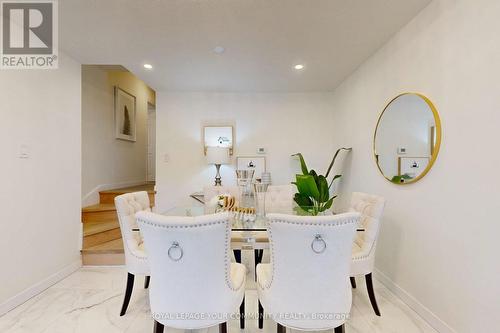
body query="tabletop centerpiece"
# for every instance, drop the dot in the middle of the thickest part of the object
(313, 196)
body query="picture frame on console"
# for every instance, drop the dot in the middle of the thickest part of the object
(257, 163)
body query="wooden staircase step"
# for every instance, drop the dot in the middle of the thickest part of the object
(100, 207)
(99, 233)
(90, 229)
(108, 196)
(105, 254)
(114, 246)
(99, 213)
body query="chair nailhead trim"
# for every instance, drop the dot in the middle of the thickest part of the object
(197, 225)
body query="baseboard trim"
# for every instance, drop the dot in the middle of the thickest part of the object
(39, 287)
(92, 197)
(433, 320)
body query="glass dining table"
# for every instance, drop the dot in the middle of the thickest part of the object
(249, 232)
(244, 226)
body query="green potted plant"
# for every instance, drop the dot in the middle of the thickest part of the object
(313, 196)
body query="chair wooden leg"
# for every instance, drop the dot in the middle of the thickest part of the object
(281, 329)
(158, 328)
(261, 316)
(223, 328)
(258, 258)
(146, 282)
(371, 293)
(340, 329)
(237, 256)
(128, 293)
(242, 314)
(353, 282)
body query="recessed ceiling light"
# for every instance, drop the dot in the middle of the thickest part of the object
(299, 66)
(148, 66)
(219, 49)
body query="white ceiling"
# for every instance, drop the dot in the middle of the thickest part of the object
(263, 40)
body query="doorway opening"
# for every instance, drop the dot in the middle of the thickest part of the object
(151, 158)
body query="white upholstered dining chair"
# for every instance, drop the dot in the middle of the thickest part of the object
(309, 283)
(136, 260)
(278, 200)
(371, 208)
(191, 270)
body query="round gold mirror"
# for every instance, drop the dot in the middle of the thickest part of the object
(407, 138)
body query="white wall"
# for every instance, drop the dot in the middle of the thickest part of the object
(40, 196)
(106, 161)
(439, 238)
(282, 123)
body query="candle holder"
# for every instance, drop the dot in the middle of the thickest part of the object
(260, 190)
(244, 180)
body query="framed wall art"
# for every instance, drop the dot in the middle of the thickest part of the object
(218, 136)
(125, 115)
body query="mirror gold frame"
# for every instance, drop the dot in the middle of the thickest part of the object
(435, 151)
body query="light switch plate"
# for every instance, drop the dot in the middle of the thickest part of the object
(261, 150)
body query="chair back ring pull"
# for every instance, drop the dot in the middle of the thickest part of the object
(318, 244)
(175, 252)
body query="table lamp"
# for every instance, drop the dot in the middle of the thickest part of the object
(218, 156)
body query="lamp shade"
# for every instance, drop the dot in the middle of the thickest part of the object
(217, 155)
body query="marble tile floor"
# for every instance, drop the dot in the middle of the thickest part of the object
(89, 301)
